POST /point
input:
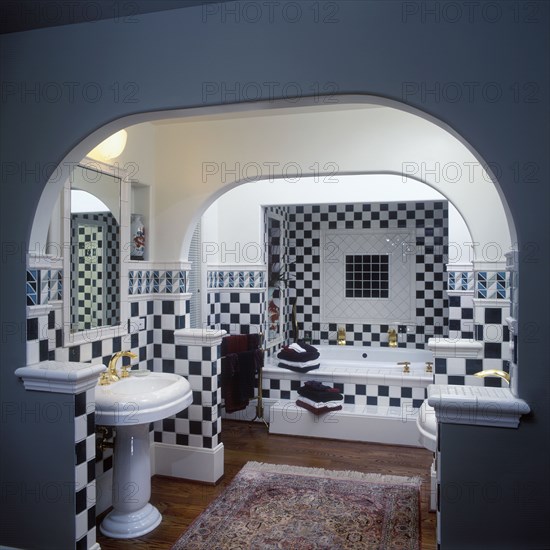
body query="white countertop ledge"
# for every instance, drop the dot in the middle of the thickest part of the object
(60, 376)
(476, 405)
(444, 347)
(198, 336)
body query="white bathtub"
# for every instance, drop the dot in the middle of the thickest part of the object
(362, 365)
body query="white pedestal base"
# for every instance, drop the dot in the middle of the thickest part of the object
(132, 515)
(127, 526)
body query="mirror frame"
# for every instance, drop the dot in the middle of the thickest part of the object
(98, 333)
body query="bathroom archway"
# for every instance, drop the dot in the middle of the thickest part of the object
(199, 159)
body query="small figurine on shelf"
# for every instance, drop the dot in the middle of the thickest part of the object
(138, 238)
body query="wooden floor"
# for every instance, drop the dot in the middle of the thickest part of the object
(180, 502)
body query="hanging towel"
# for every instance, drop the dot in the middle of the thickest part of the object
(232, 389)
(235, 343)
(238, 378)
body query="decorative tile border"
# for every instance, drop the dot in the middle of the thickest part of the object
(462, 281)
(154, 281)
(44, 286)
(235, 279)
(492, 285)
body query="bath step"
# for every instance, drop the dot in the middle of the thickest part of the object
(377, 424)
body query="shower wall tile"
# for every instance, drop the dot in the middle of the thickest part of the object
(428, 223)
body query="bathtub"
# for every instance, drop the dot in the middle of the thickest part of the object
(363, 365)
(380, 404)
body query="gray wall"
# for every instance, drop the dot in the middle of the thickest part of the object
(397, 50)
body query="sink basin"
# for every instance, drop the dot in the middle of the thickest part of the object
(130, 405)
(143, 399)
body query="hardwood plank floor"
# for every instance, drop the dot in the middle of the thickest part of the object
(180, 502)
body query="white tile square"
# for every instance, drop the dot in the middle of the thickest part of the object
(90, 447)
(80, 428)
(195, 440)
(81, 524)
(81, 476)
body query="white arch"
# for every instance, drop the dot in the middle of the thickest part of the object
(429, 150)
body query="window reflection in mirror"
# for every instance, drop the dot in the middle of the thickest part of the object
(95, 250)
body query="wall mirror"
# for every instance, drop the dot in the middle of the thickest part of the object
(275, 281)
(95, 300)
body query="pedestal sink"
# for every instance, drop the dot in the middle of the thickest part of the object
(129, 405)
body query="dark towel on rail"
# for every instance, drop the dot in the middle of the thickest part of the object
(238, 378)
(236, 343)
(232, 390)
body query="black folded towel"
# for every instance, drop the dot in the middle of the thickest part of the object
(289, 354)
(319, 386)
(298, 369)
(320, 396)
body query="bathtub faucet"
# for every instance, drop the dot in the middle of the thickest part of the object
(341, 339)
(392, 338)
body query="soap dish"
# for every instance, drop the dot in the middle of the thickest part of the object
(140, 372)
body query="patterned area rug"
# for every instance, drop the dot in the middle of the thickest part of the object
(269, 506)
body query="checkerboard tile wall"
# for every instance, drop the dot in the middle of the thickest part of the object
(480, 320)
(85, 470)
(429, 222)
(406, 397)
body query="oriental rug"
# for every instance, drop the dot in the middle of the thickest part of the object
(270, 506)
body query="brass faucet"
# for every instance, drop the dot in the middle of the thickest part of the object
(341, 339)
(392, 338)
(493, 372)
(112, 375)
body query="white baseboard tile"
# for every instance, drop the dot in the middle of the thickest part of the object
(351, 424)
(193, 463)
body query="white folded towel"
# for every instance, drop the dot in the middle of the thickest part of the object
(312, 363)
(319, 405)
(297, 348)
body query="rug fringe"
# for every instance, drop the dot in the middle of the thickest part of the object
(336, 474)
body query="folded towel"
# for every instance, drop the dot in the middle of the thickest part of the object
(289, 354)
(319, 386)
(313, 362)
(296, 347)
(320, 396)
(317, 405)
(316, 411)
(298, 369)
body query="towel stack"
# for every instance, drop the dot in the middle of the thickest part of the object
(299, 357)
(319, 398)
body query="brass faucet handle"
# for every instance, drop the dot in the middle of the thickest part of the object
(406, 365)
(124, 371)
(429, 366)
(104, 379)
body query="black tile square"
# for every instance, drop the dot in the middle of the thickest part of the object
(473, 365)
(182, 439)
(383, 391)
(169, 425)
(80, 452)
(91, 518)
(80, 500)
(493, 315)
(181, 352)
(406, 392)
(493, 350)
(80, 404)
(91, 471)
(134, 309)
(168, 307)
